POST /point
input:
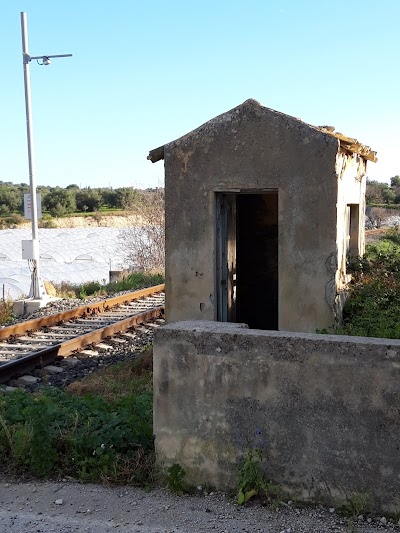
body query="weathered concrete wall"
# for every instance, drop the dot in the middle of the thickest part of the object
(253, 148)
(352, 179)
(325, 408)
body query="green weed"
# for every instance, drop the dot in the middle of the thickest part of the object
(175, 479)
(373, 307)
(131, 282)
(251, 482)
(136, 281)
(357, 504)
(86, 437)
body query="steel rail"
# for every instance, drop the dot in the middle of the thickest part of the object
(98, 307)
(47, 355)
(376, 231)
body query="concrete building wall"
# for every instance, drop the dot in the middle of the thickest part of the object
(252, 148)
(324, 409)
(351, 170)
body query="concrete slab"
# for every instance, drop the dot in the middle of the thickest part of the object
(30, 305)
(103, 347)
(89, 352)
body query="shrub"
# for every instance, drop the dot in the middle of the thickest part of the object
(6, 312)
(373, 307)
(48, 224)
(12, 221)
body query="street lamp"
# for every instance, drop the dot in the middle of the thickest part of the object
(37, 290)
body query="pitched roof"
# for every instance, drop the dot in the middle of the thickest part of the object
(346, 143)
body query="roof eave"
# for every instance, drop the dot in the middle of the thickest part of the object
(156, 155)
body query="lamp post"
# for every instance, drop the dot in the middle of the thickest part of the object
(37, 290)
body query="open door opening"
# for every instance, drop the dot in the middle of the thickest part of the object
(247, 259)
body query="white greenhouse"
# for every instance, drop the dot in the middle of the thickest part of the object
(71, 255)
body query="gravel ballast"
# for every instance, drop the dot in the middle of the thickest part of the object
(68, 507)
(66, 370)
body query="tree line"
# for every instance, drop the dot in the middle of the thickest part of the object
(378, 193)
(59, 201)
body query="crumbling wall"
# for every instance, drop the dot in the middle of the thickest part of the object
(352, 178)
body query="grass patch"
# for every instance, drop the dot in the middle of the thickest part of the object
(136, 281)
(119, 380)
(104, 436)
(131, 282)
(104, 211)
(373, 307)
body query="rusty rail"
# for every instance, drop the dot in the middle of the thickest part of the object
(97, 307)
(47, 355)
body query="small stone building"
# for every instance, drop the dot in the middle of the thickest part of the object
(262, 211)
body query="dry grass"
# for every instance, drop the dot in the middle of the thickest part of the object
(50, 288)
(6, 312)
(121, 379)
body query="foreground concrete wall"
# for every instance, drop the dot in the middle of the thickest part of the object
(325, 409)
(253, 148)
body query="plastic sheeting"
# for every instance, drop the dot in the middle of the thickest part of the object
(71, 255)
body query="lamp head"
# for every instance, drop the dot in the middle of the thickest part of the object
(46, 60)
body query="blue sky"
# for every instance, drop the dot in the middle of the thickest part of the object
(144, 73)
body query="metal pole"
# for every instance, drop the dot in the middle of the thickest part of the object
(37, 289)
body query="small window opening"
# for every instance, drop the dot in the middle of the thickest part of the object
(353, 230)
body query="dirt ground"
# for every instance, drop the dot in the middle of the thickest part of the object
(70, 507)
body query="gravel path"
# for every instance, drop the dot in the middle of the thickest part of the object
(69, 507)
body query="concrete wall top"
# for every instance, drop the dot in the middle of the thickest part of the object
(202, 326)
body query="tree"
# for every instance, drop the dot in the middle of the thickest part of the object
(380, 193)
(59, 202)
(125, 197)
(88, 200)
(143, 244)
(373, 192)
(109, 196)
(388, 195)
(395, 182)
(10, 199)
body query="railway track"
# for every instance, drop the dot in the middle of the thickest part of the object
(38, 342)
(376, 231)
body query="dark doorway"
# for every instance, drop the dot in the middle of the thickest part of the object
(247, 259)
